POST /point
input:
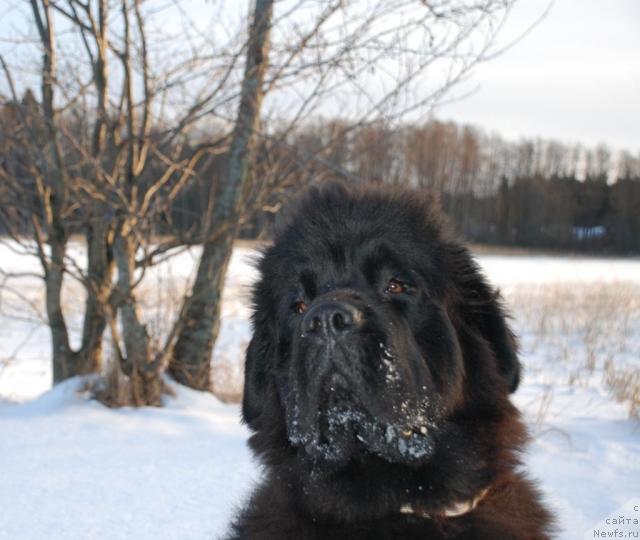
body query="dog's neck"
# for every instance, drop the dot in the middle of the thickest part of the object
(453, 510)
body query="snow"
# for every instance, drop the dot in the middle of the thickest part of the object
(71, 468)
(505, 270)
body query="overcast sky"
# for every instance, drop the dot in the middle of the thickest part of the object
(575, 77)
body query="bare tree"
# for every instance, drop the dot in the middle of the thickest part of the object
(38, 138)
(85, 150)
(201, 314)
(131, 118)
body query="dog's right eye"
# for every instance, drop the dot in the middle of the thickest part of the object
(395, 286)
(300, 307)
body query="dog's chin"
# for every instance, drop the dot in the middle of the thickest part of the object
(344, 431)
(325, 426)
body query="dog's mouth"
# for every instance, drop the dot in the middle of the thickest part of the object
(323, 420)
(337, 388)
(334, 422)
(345, 433)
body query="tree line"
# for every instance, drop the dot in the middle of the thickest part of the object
(534, 193)
(531, 193)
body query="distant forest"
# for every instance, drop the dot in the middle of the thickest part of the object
(531, 193)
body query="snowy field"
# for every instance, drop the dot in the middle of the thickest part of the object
(73, 469)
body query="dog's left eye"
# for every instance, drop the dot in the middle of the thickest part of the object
(395, 286)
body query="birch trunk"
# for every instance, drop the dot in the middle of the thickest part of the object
(191, 359)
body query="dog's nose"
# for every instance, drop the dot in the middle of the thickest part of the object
(331, 319)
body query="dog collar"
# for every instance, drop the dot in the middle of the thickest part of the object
(455, 510)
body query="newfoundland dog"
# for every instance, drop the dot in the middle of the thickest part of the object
(377, 381)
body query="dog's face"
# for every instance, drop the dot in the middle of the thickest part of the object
(359, 369)
(365, 314)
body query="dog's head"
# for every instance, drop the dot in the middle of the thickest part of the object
(372, 330)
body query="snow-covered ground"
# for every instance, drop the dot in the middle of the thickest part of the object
(71, 468)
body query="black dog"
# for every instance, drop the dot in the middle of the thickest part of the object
(378, 379)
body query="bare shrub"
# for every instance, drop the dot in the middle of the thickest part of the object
(590, 329)
(112, 389)
(543, 407)
(625, 386)
(116, 389)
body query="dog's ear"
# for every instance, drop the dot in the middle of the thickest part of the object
(482, 307)
(257, 360)
(495, 329)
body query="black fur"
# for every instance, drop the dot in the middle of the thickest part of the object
(378, 376)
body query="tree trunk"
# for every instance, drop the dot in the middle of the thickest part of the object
(63, 364)
(144, 375)
(66, 362)
(100, 277)
(191, 359)
(53, 200)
